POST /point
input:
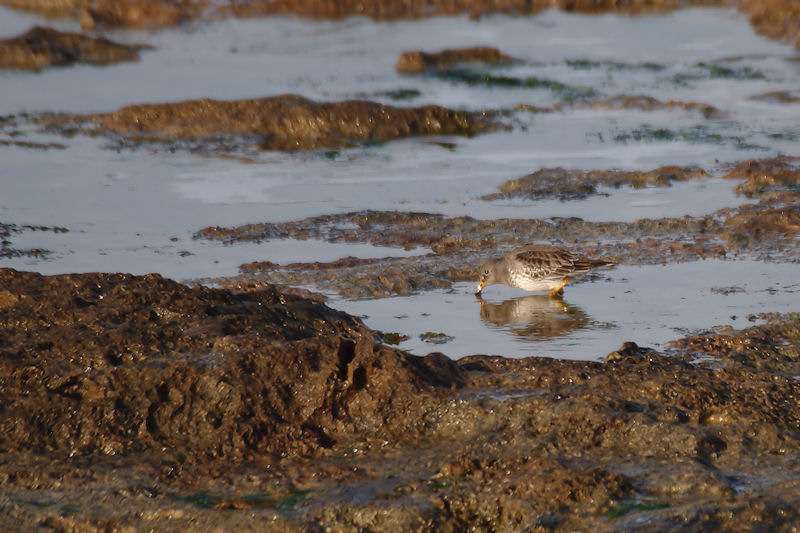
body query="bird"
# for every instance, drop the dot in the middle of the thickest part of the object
(536, 267)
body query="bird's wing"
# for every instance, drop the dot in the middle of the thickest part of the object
(546, 262)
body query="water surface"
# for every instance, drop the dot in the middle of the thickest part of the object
(649, 305)
(136, 210)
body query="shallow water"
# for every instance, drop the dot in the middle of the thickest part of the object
(135, 210)
(649, 305)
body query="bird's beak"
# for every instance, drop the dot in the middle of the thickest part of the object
(480, 287)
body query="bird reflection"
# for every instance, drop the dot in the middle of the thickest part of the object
(537, 316)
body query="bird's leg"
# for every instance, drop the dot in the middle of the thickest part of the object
(558, 291)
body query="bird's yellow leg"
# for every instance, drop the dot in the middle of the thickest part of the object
(558, 291)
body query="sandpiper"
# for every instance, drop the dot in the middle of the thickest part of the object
(535, 267)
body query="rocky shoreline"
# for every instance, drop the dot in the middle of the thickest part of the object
(246, 403)
(42, 47)
(134, 402)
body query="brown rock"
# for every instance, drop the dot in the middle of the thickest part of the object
(134, 402)
(139, 13)
(750, 227)
(777, 19)
(630, 351)
(116, 13)
(382, 9)
(49, 7)
(287, 122)
(569, 184)
(769, 346)
(777, 97)
(113, 363)
(418, 61)
(44, 47)
(643, 103)
(764, 175)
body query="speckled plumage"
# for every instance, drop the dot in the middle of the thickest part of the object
(535, 267)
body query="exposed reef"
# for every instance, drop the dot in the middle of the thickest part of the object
(768, 227)
(287, 122)
(568, 184)
(777, 19)
(134, 402)
(42, 47)
(417, 62)
(638, 102)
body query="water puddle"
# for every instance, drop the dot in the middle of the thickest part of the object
(136, 209)
(173, 257)
(414, 189)
(649, 305)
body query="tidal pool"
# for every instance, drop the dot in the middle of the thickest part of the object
(649, 305)
(135, 209)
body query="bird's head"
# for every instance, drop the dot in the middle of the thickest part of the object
(487, 274)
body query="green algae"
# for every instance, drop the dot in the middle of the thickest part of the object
(7, 231)
(393, 338)
(700, 134)
(714, 71)
(435, 337)
(588, 64)
(401, 94)
(566, 92)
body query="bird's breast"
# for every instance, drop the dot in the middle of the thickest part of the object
(530, 283)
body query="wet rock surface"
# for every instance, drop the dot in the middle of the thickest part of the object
(621, 102)
(772, 346)
(121, 363)
(116, 13)
(137, 403)
(383, 9)
(575, 184)
(417, 62)
(134, 402)
(777, 19)
(768, 227)
(42, 47)
(643, 103)
(286, 122)
(778, 97)
(137, 13)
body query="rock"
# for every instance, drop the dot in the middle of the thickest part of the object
(138, 13)
(287, 122)
(571, 184)
(43, 47)
(777, 19)
(114, 363)
(135, 402)
(630, 352)
(417, 62)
